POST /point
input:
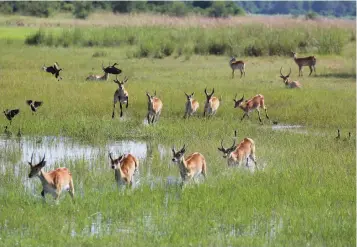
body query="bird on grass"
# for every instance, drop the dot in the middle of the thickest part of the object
(10, 114)
(34, 105)
(54, 70)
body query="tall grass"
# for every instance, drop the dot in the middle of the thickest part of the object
(247, 40)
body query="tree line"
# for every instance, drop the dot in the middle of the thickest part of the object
(182, 8)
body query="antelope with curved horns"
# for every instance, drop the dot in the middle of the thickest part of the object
(288, 82)
(125, 167)
(104, 77)
(250, 105)
(154, 108)
(112, 69)
(54, 70)
(191, 105)
(237, 154)
(53, 182)
(305, 61)
(120, 95)
(211, 105)
(190, 167)
(237, 65)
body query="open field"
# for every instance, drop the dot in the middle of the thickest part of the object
(305, 195)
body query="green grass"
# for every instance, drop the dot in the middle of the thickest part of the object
(305, 195)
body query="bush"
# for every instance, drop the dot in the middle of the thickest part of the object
(311, 16)
(36, 39)
(82, 10)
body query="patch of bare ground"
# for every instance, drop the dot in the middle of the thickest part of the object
(110, 19)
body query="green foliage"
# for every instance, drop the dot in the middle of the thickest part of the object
(311, 16)
(82, 9)
(254, 40)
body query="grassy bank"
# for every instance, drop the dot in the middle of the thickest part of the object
(305, 195)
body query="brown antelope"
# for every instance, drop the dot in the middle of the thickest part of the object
(288, 82)
(124, 168)
(190, 167)
(250, 105)
(305, 61)
(191, 105)
(211, 105)
(98, 77)
(120, 95)
(53, 182)
(154, 108)
(237, 65)
(237, 154)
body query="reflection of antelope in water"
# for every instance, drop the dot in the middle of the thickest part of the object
(288, 82)
(251, 104)
(120, 95)
(191, 105)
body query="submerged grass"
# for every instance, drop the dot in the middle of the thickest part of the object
(305, 195)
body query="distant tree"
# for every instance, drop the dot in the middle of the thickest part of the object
(178, 9)
(82, 9)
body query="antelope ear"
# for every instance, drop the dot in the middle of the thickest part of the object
(29, 164)
(121, 158)
(220, 149)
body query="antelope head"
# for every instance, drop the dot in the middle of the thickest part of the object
(233, 59)
(286, 77)
(121, 83)
(115, 163)
(227, 151)
(189, 96)
(36, 169)
(239, 102)
(151, 97)
(209, 96)
(177, 156)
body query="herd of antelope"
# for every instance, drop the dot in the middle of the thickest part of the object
(190, 167)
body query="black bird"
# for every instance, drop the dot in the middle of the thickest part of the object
(34, 104)
(10, 114)
(112, 69)
(54, 70)
(338, 134)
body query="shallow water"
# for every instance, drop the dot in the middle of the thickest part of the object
(294, 128)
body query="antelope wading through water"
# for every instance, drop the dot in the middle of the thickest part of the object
(154, 108)
(125, 167)
(191, 105)
(237, 154)
(254, 103)
(305, 61)
(211, 105)
(288, 83)
(120, 95)
(237, 65)
(53, 182)
(191, 166)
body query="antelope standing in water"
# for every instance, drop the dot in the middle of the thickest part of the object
(154, 108)
(125, 167)
(191, 105)
(190, 167)
(237, 65)
(120, 95)
(211, 105)
(305, 61)
(53, 182)
(254, 103)
(54, 70)
(237, 154)
(288, 83)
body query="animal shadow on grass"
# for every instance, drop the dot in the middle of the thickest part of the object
(338, 75)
